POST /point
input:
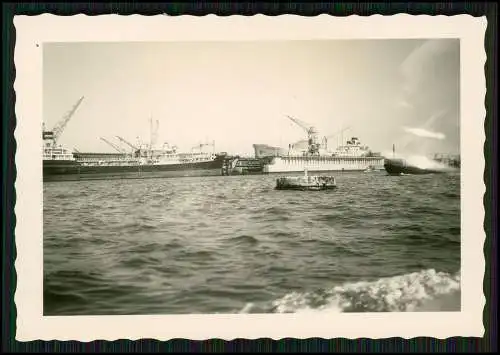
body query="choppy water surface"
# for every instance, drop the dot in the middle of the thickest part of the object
(234, 244)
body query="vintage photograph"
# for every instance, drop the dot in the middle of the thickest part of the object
(262, 177)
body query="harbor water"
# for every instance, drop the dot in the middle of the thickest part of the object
(234, 244)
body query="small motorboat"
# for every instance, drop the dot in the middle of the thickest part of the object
(306, 182)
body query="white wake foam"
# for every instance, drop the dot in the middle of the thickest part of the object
(426, 290)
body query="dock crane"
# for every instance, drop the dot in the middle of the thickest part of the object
(53, 136)
(118, 149)
(312, 134)
(127, 143)
(136, 151)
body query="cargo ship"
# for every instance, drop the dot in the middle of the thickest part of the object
(439, 164)
(351, 157)
(315, 156)
(60, 164)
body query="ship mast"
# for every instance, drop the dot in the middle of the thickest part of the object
(153, 134)
(342, 134)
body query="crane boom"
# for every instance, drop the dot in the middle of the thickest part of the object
(337, 133)
(312, 135)
(61, 125)
(340, 131)
(127, 143)
(300, 123)
(112, 145)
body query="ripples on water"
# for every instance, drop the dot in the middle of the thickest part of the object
(234, 244)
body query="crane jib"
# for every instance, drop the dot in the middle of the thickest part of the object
(59, 127)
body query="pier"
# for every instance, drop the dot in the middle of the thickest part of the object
(227, 166)
(242, 166)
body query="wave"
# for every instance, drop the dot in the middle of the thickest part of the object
(243, 239)
(426, 290)
(70, 196)
(138, 226)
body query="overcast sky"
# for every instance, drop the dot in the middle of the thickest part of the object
(238, 93)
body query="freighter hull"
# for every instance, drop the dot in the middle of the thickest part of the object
(85, 172)
(401, 166)
(59, 167)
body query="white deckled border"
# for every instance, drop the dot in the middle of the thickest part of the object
(31, 325)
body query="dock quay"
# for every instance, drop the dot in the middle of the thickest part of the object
(242, 166)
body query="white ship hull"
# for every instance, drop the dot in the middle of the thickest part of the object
(322, 164)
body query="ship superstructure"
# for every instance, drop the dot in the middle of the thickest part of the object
(315, 154)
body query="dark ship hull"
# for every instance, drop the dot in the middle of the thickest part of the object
(73, 171)
(59, 167)
(401, 166)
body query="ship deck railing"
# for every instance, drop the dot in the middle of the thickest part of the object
(58, 157)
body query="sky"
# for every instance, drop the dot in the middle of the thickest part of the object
(239, 93)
